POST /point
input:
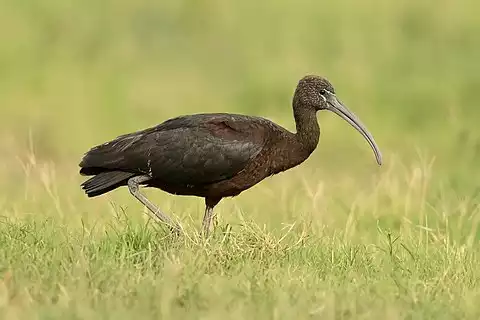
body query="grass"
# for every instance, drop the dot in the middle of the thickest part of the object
(336, 238)
(399, 249)
(131, 271)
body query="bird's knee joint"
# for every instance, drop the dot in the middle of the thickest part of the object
(133, 187)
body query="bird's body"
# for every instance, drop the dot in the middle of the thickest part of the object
(212, 156)
(206, 155)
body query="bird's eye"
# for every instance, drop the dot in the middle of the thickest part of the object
(322, 92)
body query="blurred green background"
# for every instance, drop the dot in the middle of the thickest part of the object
(74, 74)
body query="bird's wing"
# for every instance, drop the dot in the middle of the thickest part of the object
(193, 150)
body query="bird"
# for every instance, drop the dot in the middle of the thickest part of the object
(214, 155)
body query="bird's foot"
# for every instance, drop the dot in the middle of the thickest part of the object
(175, 229)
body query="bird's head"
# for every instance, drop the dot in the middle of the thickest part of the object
(315, 93)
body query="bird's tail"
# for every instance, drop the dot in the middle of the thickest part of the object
(105, 181)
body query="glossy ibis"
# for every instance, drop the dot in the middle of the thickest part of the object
(213, 155)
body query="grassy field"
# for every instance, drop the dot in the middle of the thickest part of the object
(336, 238)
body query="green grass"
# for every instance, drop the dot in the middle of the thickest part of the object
(128, 271)
(336, 238)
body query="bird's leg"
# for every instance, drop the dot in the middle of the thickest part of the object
(210, 203)
(215, 220)
(207, 218)
(134, 187)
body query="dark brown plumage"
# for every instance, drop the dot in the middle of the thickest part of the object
(213, 155)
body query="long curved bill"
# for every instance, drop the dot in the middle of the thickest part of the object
(337, 107)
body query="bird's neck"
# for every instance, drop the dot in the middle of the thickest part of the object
(298, 146)
(308, 130)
